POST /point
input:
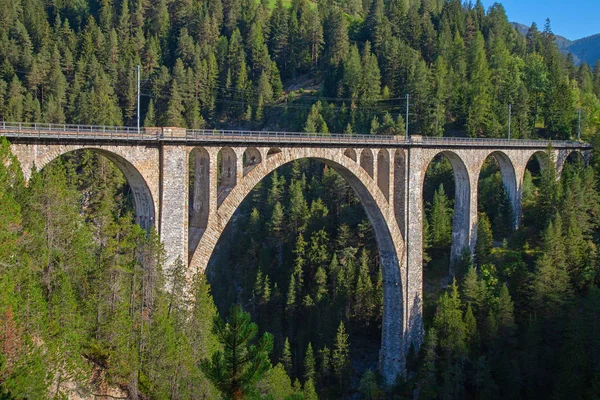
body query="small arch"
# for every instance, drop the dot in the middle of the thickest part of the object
(350, 153)
(251, 159)
(383, 172)
(542, 158)
(366, 161)
(569, 159)
(272, 151)
(226, 172)
(199, 202)
(400, 189)
(537, 162)
(498, 162)
(461, 224)
(575, 157)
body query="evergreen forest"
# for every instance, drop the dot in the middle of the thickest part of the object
(290, 306)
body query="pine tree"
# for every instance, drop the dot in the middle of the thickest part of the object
(315, 121)
(336, 36)
(448, 321)
(275, 225)
(441, 225)
(341, 351)
(236, 370)
(325, 363)
(480, 91)
(427, 382)
(505, 313)
(309, 364)
(321, 284)
(298, 210)
(278, 41)
(484, 243)
(175, 108)
(291, 296)
(363, 304)
(551, 285)
(14, 103)
(286, 357)
(370, 82)
(470, 326)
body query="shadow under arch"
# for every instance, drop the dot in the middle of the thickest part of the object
(573, 157)
(509, 181)
(461, 224)
(389, 240)
(542, 159)
(145, 209)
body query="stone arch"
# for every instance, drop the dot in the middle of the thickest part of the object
(366, 161)
(510, 182)
(576, 156)
(200, 189)
(251, 159)
(383, 172)
(389, 240)
(568, 156)
(350, 153)
(272, 151)
(537, 159)
(461, 224)
(542, 158)
(145, 204)
(400, 189)
(227, 172)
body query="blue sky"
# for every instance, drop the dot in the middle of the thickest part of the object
(572, 19)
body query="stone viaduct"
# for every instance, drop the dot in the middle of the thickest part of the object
(190, 207)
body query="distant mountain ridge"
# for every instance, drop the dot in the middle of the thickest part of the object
(585, 50)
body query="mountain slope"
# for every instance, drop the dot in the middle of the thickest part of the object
(586, 49)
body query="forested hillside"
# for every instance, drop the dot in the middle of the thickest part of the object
(86, 306)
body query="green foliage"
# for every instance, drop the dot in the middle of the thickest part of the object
(309, 364)
(81, 279)
(484, 239)
(340, 357)
(236, 370)
(441, 219)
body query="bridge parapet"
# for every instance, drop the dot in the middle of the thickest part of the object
(42, 131)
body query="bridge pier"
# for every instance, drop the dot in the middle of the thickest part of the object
(173, 223)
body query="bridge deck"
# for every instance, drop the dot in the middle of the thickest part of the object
(60, 132)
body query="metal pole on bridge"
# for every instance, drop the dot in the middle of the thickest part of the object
(406, 133)
(137, 68)
(579, 124)
(509, 115)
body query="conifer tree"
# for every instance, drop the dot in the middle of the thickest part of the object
(175, 107)
(236, 370)
(286, 357)
(341, 350)
(551, 285)
(441, 225)
(321, 284)
(484, 243)
(427, 382)
(309, 364)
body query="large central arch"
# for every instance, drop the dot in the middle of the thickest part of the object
(380, 213)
